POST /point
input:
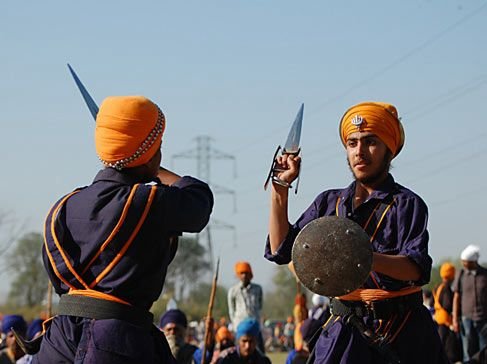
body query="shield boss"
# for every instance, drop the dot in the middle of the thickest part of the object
(332, 256)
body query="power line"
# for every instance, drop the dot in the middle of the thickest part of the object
(204, 153)
(404, 57)
(376, 74)
(451, 95)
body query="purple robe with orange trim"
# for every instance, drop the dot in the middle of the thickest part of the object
(124, 224)
(399, 229)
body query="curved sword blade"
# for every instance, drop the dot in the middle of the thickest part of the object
(292, 143)
(86, 96)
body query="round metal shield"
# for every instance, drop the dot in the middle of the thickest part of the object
(332, 256)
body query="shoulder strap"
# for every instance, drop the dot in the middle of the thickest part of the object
(63, 265)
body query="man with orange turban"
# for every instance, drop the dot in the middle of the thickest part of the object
(443, 304)
(108, 245)
(224, 340)
(245, 299)
(389, 303)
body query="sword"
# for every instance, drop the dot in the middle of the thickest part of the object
(86, 96)
(290, 147)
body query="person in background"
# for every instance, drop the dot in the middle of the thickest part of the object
(300, 313)
(12, 352)
(246, 350)
(321, 308)
(289, 333)
(33, 330)
(470, 303)
(245, 299)
(443, 304)
(308, 328)
(174, 324)
(223, 340)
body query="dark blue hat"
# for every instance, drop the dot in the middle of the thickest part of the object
(173, 316)
(34, 327)
(16, 322)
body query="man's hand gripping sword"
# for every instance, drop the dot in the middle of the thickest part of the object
(291, 147)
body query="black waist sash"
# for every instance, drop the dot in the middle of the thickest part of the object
(99, 309)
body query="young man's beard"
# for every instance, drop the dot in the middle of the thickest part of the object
(382, 171)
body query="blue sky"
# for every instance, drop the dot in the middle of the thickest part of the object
(237, 71)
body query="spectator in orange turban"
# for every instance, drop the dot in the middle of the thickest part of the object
(447, 272)
(243, 267)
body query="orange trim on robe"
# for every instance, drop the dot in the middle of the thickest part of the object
(96, 294)
(119, 256)
(116, 229)
(88, 290)
(370, 295)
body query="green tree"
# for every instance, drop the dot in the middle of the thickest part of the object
(196, 305)
(29, 283)
(188, 266)
(9, 230)
(279, 303)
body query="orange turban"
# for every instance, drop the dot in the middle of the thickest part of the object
(128, 131)
(223, 333)
(447, 271)
(241, 267)
(378, 118)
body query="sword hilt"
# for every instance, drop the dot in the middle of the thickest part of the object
(275, 169)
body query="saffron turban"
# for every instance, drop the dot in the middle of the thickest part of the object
(470, 253)
(223, 333)
(15, 322)
(378, 118)
(174, 316)
(128, 131)
(447, 271)
(249, 327)
(243, 267)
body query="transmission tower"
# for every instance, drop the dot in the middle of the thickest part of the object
(204, 153)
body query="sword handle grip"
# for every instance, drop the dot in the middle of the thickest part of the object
(276, 169)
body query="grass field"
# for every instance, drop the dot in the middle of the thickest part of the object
(277, 357)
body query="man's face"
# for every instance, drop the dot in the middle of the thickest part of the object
(246, 345)
(469, 265)
(368, 157)
(174, 329)
(245, 277)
